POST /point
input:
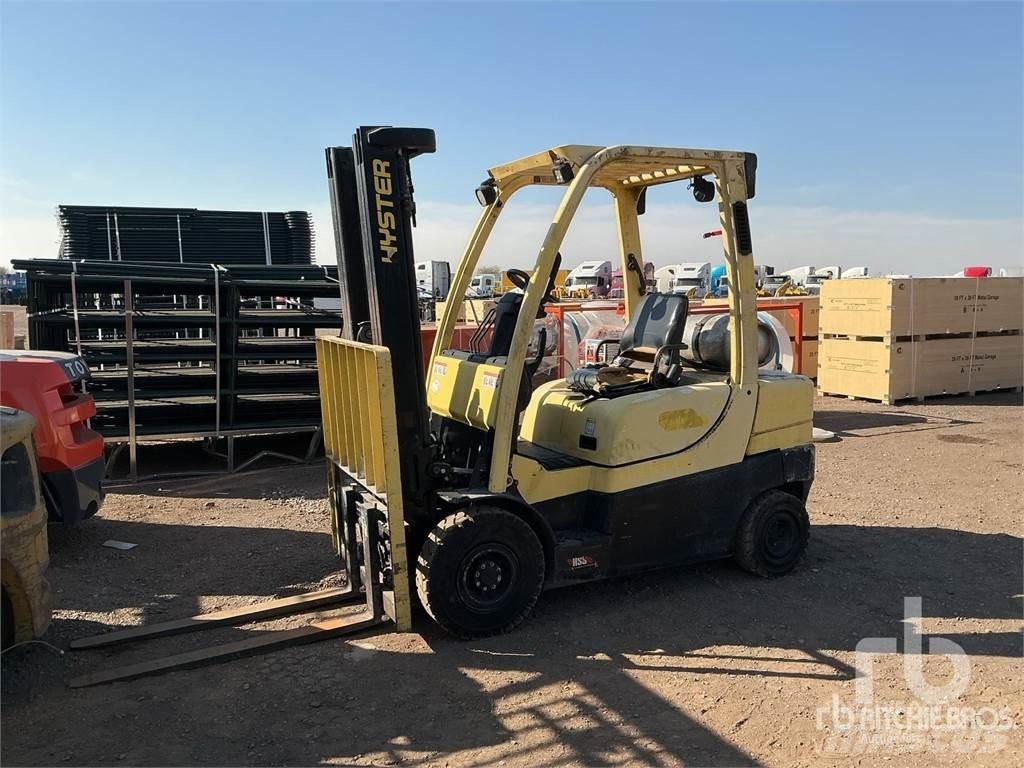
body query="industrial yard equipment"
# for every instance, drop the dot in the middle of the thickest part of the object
(49, 386)
(26, 592)
(185, 235)
(482, 490)
(489, 490)
(187, 351)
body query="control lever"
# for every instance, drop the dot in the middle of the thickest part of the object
(634, 266)
(542, 344)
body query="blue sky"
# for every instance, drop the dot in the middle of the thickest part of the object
(887, 116)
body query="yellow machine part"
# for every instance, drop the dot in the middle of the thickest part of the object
(464, 391)
(23, 541)
(785, 406)
(622, 430)
(361, 437)
(781, 419)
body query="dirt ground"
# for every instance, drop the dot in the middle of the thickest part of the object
(697, 666)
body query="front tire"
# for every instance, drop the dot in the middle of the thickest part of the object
(480, 572)
(773, 534)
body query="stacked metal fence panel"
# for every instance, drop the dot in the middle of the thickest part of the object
(185, 235)
(178, 349)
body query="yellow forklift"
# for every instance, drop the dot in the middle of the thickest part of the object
(480, 490)
(468, 486)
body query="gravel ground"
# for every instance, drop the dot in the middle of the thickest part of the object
(694, 666)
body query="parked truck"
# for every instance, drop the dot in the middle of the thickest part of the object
(482, 286)
(692, 278)
(434, 278)
(618, 289)
(589, 279)
(812, 283)
(762, 271)
(719, 286)
(799, 275)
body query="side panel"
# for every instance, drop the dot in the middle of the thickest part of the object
(623, 430)
(724, 445)
(463, 390)
(785, 406)
(675, 521)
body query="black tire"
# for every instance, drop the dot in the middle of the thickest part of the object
(7, 622)
(480, 572)
(772, 534)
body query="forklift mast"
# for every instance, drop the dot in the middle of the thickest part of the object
(373, 212)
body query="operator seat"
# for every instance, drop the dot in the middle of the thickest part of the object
(650, 344)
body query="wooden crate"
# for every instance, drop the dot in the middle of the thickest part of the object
(809, 358)
(810, 314)
(899, 370)
(6, 329)
(892, 307)
(471, 311)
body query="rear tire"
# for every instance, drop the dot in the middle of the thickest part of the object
(773, 534)
(480, 572)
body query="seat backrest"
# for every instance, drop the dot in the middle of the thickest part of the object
(659, 320)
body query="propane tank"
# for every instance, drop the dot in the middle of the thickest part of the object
(707, 340)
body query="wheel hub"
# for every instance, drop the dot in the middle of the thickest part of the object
(779, 536)
(486, 576)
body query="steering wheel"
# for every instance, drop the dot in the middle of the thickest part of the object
(518, 278)
(521, 279)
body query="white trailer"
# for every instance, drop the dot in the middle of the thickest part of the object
(761, 271)
(693, 278)
(799, 275)
(854, 272)
(434, 278)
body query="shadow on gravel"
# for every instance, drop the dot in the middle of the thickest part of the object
(1001, 398)
(852, 423)
(306, 481)
(172, 565)
(600, 672)
(184, 462)
(584, 673)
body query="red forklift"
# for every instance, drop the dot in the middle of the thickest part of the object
(51, 387)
